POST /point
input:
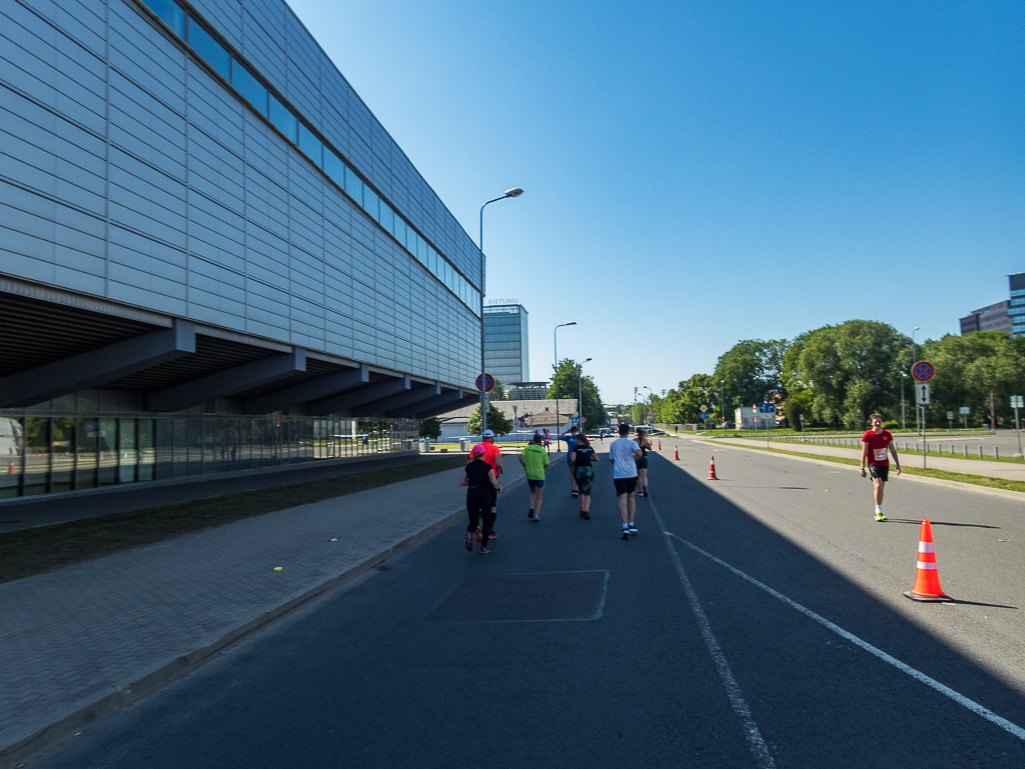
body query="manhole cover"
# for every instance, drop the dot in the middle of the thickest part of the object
(556, 596)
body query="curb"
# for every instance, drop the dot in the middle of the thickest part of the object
(1006, 494)
(81, 715)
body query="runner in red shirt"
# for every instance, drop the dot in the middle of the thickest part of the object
(876, 443)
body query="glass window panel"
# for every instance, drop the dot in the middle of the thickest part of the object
(12, 447)
(108, 459)
(432, 260)
(147, 449)
(170, 13)
(387, 218)
(63, 455)
(311, 145)
(334, 167)
(354, 186)
(251, 88)
(86, 433)
(209, 50)
(421, 249)
(400, 231)
(128, 452)
(37, 455)
(371, 203)
(282, 118)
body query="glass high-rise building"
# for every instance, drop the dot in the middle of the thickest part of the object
(506, 351)
(213, 257)
(1016, 308)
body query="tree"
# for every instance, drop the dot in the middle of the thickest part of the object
(850, 370)
(498, 392)
(567, 383)
(498, 422)
(682, 405)
(752, 371)
(431, 428)
(968, 368)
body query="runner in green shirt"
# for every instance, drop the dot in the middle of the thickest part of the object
(535, 459)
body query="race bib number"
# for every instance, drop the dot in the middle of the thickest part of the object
(880, 455)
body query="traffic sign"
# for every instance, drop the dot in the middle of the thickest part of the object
(704, 415)
(922, 394)
(767, 408)
(950, 415)
(704, 407)
(485, 382)
(1017, 402)
(922, 371)
(965, 410)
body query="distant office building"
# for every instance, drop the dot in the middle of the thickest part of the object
(992, 318)
(1016, 308)
(505, 342)
(526, 391)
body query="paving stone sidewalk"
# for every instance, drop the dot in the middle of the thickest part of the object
(88, 639)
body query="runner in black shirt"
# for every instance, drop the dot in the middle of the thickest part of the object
(583, 457)
(481, 482)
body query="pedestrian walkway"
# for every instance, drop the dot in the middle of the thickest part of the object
(88, 639)
(1007, 470)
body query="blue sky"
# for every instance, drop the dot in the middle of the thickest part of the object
(701, 173)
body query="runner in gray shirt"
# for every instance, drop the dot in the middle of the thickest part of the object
(623, 454)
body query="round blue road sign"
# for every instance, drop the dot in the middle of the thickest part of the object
(922, 371)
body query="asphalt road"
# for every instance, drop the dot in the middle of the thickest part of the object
(755, 621)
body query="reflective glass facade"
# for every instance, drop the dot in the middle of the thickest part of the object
(506, 351)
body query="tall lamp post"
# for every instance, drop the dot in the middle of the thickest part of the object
(651, 396)
(555, 347)
(914, 355)
(722, 406)
(515, 192)
(580, 393)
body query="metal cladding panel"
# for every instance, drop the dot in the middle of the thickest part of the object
(143, 179)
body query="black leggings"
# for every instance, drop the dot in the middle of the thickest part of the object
(479, 502)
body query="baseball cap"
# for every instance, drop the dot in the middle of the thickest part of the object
(477, 450)
(489, 434)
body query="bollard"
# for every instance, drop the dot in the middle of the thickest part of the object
(996, 452)
(966, 449)
(980, 452)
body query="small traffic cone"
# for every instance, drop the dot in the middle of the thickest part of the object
(927, 580)
(660, 445)
(676, 452)
(10, 469)
(711, 469)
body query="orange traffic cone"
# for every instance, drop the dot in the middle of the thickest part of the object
(676, 452)
(927, 581)
(10, 469)
(711, 470)
(660, 445)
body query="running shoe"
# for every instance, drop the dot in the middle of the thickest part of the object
(587, 515)
(645, 491)
(632, 529)
(880, 517)
(575, 494)
(484, 550)
(626, 534)
(469, 540)
(530, 513)
(479, 534)
(492, 535)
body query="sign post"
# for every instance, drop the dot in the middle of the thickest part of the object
(922, 371)
(1016, 403)
(921, 401)
(950, 420)
(965, 411)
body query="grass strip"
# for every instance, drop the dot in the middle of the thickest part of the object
(935, 451)
(975, 480)
(33, 551)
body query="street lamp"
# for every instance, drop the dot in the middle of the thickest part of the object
(722, 406)
(555, 348)
(914, 356)
(515, 192)
(651, 396)
(580, 393)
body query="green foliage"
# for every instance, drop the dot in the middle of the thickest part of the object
(682, 405)
(968, 368)
(431, 428)
(498, 392)
(567, 383)
(498, 422)
(752, 371)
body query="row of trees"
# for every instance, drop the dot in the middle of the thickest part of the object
(837, 375)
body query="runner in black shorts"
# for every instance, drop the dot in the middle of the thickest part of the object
(482, 488)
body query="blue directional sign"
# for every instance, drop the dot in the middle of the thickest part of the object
(922, 371)
(766, 408)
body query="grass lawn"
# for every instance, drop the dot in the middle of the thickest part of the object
(32, 551)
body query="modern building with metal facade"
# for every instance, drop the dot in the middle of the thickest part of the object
(212, 255)
(1016, 308)
(506, 349)
(991, 318)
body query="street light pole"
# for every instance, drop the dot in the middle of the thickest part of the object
(555, 348)
(515, 192)
(580, 393)
(914, 357)
(722, 406)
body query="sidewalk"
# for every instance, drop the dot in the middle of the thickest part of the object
(92, 638)
(1006, 470)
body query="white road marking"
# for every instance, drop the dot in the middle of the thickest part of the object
(960, 699)
(754, 737)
